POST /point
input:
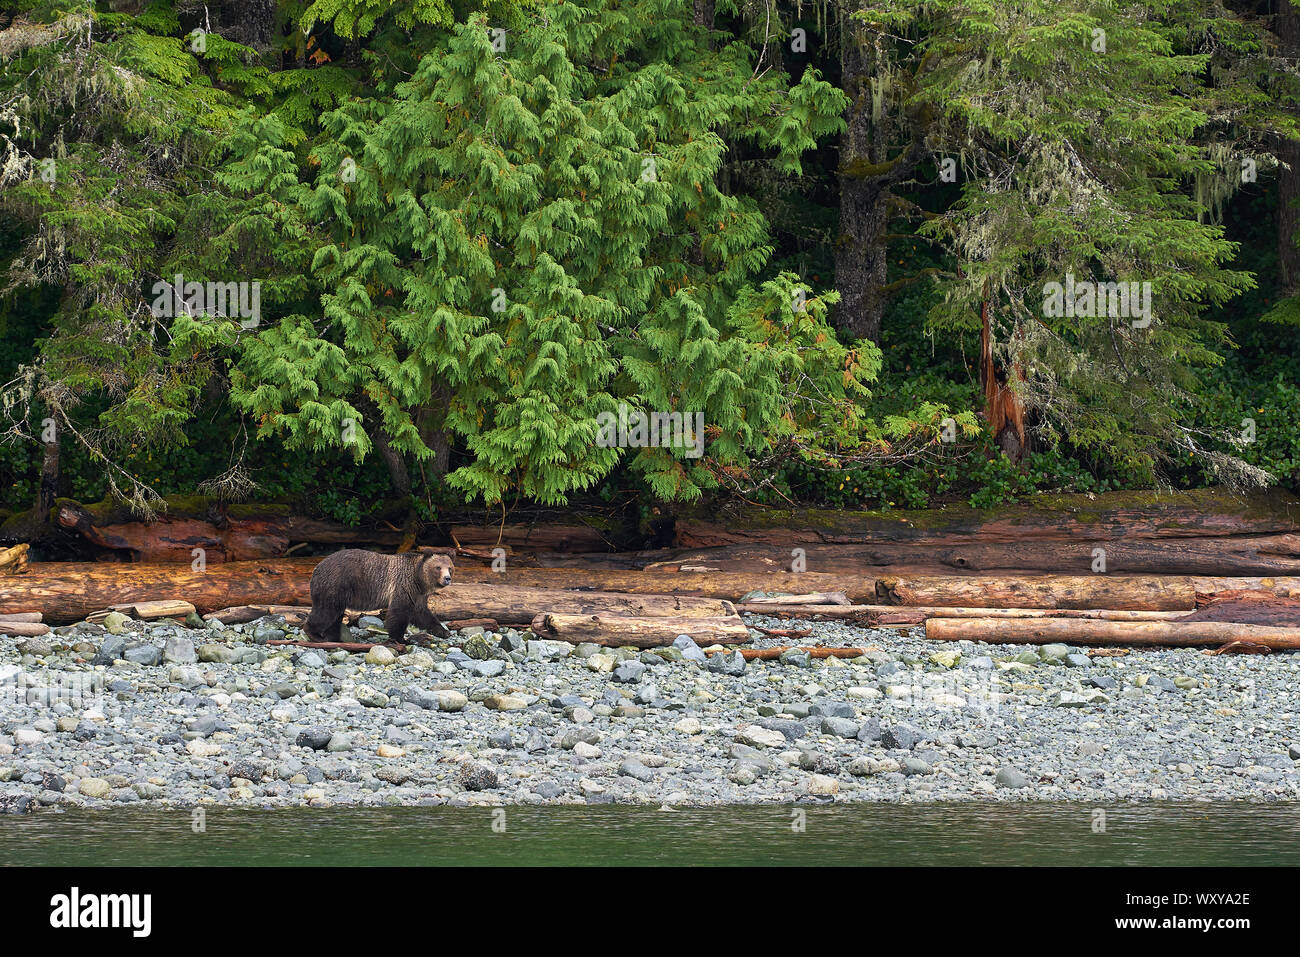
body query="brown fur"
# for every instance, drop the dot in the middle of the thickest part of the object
(363, 580)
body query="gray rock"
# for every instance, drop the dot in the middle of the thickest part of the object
(689, 649)
(179, 650)
(633, 768)
(489, 669)
(1010, 778)
(840, 727)
(901, 737)
(478, 777)
(315, 738)
(110, 650)
(727, 663)
(629, 672)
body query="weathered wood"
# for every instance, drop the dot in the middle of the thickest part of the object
(241, 614)
(225, 533)
(25, 616)
(639, 632)
(514, 605)
(771, 654)
(69, 591)
(730, 586)
(150, 610)
(1178, 634)
(23, 629)
(539, 537)
(1255, 607)
(1277, 554)
(487, 624)
(1209, 586)
(1149, 593)
(816, 598)
(14, 560)
(1125, 516)
(353, 646)
(916, 614)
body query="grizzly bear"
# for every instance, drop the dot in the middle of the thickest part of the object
(363, 581)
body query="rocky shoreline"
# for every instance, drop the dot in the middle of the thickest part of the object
(204, 714)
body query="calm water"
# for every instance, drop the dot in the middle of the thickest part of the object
(1007, 834)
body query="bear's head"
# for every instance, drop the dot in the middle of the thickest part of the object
(434, 569)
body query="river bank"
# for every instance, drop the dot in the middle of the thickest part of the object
(175, 716)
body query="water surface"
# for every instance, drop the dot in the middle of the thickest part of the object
(931, 834)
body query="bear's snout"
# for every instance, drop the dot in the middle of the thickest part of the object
(445, 580)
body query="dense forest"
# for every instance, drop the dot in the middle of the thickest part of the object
(346, 253)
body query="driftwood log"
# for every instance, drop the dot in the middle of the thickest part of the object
(1136, 593)
(876, 615)
(25, 616)
(639, 632)
(771, 654)
(1114, 516)
(1177, 634)
(515, 605)
(23, 629)
(69, 591)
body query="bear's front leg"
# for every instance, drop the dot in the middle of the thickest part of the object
(425, 619)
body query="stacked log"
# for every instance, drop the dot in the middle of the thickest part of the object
(1132, 592)
(1174, 634)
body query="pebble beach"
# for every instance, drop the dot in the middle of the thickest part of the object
(195, 714)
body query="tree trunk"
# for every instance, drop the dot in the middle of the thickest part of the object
(1003, 407)
(1287, 27)
(867, 176)
(48, 489)
(1174, 634)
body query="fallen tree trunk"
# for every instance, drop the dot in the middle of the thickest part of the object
(224, 533)
(1116, 516)
(916, 614)
(728, 585)
(1056, 591)
(69, 591)
(516, 605)
(639, 632)
(1277, 554)
(542, 537)
(1177, 634)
